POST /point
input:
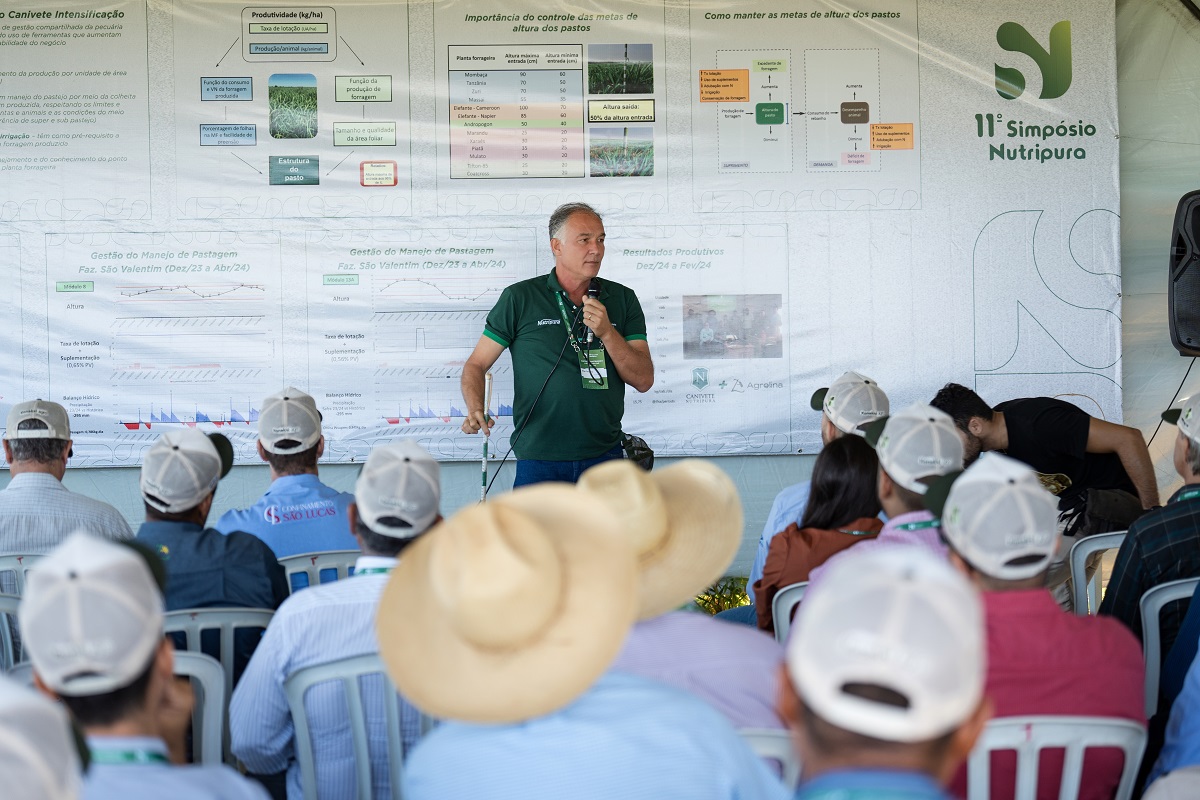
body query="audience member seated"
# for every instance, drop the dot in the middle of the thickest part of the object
(204, 568)
(502, 621)
(298, 514)
(396, 501)
(847, 404)
(843, 510)
(685, 523)
(1001, 526)
(1164, 544)
(883, 686)
(36, 511)
(1182, 784)
(39, 757)
(93, 622)
(1182, 745)
(914, 447)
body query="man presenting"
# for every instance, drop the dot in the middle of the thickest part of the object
(572, 353)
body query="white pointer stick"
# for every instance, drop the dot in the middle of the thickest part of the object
(487, 404)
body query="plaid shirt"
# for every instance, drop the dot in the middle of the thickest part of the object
(1162, 545)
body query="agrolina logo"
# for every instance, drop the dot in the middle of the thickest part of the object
(1054, 64)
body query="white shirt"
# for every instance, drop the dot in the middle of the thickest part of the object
(315, 626)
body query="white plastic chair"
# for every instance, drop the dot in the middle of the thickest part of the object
(18, 565)
(348, 671)
(775, 744)
(8, 621)
(1152, 604)
(191, 622)
(311, 564)
(1028, 736)
(208, 717)
(22, 673)
(1085, 594)
(785, 600)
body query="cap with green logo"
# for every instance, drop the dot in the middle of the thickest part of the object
(1187, 417)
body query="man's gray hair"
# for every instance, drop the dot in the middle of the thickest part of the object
(564, 212)
(1193, 456)
(42, 451)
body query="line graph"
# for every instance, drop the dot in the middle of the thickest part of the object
(399, 333)
(185, 293)
(457, 288)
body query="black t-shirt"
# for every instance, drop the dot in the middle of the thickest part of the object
(1051, 436)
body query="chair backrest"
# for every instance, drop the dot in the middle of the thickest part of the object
(16, 565)
(1084, 593)
(192, 622)
(208, 716)
(348, 671)
(785, 601)
(1028, 736)
(775, 744)
(312, 564)
(22, 673)
(8, 624)
(1152, 604)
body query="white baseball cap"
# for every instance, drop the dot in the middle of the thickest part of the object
(998, 517)
(915, 443)
(91, 617)
(290, 415)
(1187, 417)
(39, 758)
(50, 413)
(182, 467)
(399, 490)
(850, 401)
(900, 619)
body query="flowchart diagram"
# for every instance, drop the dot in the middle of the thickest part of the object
(292, 102)
(826, 120)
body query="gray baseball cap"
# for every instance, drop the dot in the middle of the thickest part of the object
(182, 467)
(997, 515)
(398, 492)
(290, 415)
(91, 616)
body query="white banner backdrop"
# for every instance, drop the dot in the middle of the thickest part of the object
(203, 202)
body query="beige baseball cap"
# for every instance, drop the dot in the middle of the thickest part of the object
(915, 444)
(182, 467)
(39, 758)
(53, 415)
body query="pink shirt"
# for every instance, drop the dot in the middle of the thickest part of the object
(1042, 660)
(904, 529)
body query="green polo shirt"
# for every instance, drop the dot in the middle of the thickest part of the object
(570, 423)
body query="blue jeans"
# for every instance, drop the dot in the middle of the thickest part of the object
(747, 615)
(532, 470)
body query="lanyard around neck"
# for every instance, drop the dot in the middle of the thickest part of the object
(918, 526)
(373, 571)
(133, 756)
(567, 323)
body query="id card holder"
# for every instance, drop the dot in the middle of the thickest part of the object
(593, 369)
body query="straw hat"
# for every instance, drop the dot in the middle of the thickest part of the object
(509, 609)
(685, 523)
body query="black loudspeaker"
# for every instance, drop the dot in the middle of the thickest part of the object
(1183, 284)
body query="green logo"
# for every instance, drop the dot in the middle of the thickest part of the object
(1055, 64)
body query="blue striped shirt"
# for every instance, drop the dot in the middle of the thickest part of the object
(318, 625)
(788, 507)
(626, 737)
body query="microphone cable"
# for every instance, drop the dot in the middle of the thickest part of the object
(513, 441)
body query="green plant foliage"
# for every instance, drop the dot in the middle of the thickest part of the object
(293, 111)
(620, 77)
(729, 592)
(612, 158)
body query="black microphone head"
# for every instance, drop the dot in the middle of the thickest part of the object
(593, 288)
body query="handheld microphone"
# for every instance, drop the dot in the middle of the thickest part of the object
(592, 292)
